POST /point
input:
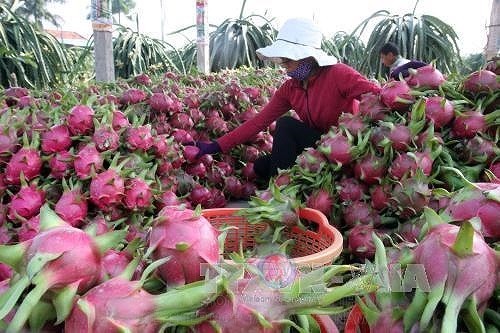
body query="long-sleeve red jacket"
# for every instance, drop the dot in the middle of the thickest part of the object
(329, 93)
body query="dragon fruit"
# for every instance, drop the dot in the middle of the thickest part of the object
(336, 147)
(140, 138)
(26, 203)
(396, 95)
(105, 138)
(477, 202)
(29, 229)
(459, 265)
(107, 305)
(311, 160)
(107, 189)
(160, 102)
(351, 189)
(72, 207)
(255, 305)
(467, 124)
(481, 81)
(360, 212)
(119, 121)
(80, 120)
(87, 160)
(26, 161)
(439, 111)
(138, 194)
(61, 164)
(370, 169)
(189, 239)
(56, 139)
(60, 259)
(133, 96)
(321, 200)
(426, 77)
(371, 107)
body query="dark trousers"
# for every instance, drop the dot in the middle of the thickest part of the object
(289, 140)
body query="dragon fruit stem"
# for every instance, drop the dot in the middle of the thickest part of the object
(24, 310)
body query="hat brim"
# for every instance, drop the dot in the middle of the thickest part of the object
(282, 49)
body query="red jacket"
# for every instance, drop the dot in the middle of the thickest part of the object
(329, 93)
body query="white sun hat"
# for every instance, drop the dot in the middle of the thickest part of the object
(299, 38)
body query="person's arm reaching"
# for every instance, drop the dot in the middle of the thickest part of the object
(277, 106)
(353, 84)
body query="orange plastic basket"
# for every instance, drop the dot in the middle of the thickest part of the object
(312, 248)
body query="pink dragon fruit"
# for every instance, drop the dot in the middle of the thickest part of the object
(360, 212)
(336, 147)
(26, 203)
(87, 160)
(138, 194)
(477, 201)
(459, 265)
(371, 107)
(140, 138)
(72, 207)
(105, 138)
(143, 79)
(467, 124)
(351, 189)
(426, 77)
(311, 160)
(56, 139)
(80, 120)
(396, 95)
(133, 96)
(26, 161)
(61, 164)
(109, 303)
(481, 81)
(439, 111)
(107, 189)
(321, 200)
(370, 169)
(189, 239)
(160, 102)
(67, 262)
(29, 229)
(119, 121)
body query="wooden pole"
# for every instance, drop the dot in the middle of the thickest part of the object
(103, 40)
(202, 40)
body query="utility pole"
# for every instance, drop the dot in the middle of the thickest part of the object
(493, 43)
(162, 20)
(202, 41)
(102, 26)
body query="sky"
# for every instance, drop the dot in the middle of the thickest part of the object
(468, 18)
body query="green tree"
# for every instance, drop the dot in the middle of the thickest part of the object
(36, 11)
(29, 57)
(119, 7)
(425, 38)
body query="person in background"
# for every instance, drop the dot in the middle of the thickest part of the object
(390, 57)
(319, 90)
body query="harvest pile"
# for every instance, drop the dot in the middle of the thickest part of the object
(103, 176)
(425, 146)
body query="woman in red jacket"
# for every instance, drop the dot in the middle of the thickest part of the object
(319, 90)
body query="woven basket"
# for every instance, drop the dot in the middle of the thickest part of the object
(312, 248)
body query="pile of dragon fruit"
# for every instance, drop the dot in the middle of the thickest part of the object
(101, 229)
(426, 145)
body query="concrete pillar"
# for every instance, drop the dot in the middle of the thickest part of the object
(493, 45)
(102, 25)
(202, 40)
(104, 60)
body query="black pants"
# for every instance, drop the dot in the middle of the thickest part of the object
(289, 140)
